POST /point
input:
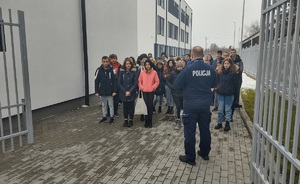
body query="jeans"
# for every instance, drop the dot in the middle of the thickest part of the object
(179, 105)
(227, 102)
(159, 99)
(170, 101)
(107, 101)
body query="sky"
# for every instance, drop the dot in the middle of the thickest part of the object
(215, 19)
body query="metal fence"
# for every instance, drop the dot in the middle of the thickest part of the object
(275, 149)
(15, 103)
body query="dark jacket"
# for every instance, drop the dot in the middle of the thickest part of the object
(160, 90)
(195, 81)
(128, 81)
(214, 63)
(227, 83)
(170, 83)
(238, 61)
(106, 83)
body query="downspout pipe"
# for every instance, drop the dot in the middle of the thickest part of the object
(85, 52)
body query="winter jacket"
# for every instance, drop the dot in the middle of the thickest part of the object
(160, 90)
(128, 81)
(214, 63)
(170, 83)
(195, 81)
(116, 67)
(106, 83)
(148, 81)
(227, 83)
(238, 61)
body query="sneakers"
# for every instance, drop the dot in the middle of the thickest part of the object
(227, 126)
(130, 123)
(159, 109)
(177, 122)
(111, 121)
(103, 120)
(203, 157)
(215, 109)
(218, 126)
(125, 124)
(183, 158)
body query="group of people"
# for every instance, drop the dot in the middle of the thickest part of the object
(191, 85)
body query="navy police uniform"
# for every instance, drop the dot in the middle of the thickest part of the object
(195, 81)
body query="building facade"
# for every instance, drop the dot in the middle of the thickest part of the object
(124, 27)
(174, 27)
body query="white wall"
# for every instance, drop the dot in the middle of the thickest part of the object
(53, 30)
(146, 25)
(111, 29)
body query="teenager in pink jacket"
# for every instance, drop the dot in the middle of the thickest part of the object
(148, 82)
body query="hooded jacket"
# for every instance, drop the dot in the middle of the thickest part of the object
(160, 90)
(238, 61)
(106, 83)
(170, 83)
(128, 81)
(227, 83)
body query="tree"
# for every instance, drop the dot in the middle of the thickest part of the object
(253, 28)
(213, 47)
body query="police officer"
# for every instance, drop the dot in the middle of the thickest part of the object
(196, 82)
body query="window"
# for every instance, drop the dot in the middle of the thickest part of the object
(183, 16)
(173, 8)
(161, 3)
(186, 37)
(187, 19)
(160, 25)
(173, 31)
(182, 35)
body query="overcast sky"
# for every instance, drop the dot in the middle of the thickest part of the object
(214, 19)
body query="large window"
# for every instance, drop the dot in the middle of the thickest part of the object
(182, 35)
(182, 16)
(187, 19)
(160, 26)
(173, 31)
(187, 37)
(173, 8)
(161, 3)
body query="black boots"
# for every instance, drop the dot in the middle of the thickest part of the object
(227, 126)
(170, 110)
(148, 123)
(125, 124)
(142, 118)
(130, 123)
(159, 109)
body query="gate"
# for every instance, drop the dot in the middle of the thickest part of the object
(15, 102)
(275, 147)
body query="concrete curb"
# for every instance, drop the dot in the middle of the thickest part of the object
(245, 118)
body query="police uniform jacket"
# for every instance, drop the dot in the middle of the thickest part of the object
(196, 81)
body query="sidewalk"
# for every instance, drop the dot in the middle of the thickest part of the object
(73, 148)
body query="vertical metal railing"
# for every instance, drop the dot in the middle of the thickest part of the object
(13, 126)
(274, 159)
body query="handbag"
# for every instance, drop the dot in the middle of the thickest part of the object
(140, 106)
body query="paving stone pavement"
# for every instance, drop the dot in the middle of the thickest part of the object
(72, 147)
